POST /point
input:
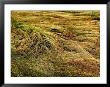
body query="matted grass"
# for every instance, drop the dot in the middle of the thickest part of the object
(55, 44)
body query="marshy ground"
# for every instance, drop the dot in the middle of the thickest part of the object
(55, 43)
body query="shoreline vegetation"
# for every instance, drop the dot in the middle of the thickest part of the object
(55, 43)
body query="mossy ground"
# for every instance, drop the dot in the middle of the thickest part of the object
(55, 44)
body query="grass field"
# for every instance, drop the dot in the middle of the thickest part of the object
(55, 43)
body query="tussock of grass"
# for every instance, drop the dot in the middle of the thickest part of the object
(55, 44)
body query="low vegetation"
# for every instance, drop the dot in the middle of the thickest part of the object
(55, 44)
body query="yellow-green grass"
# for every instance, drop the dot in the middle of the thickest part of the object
(55, 43)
